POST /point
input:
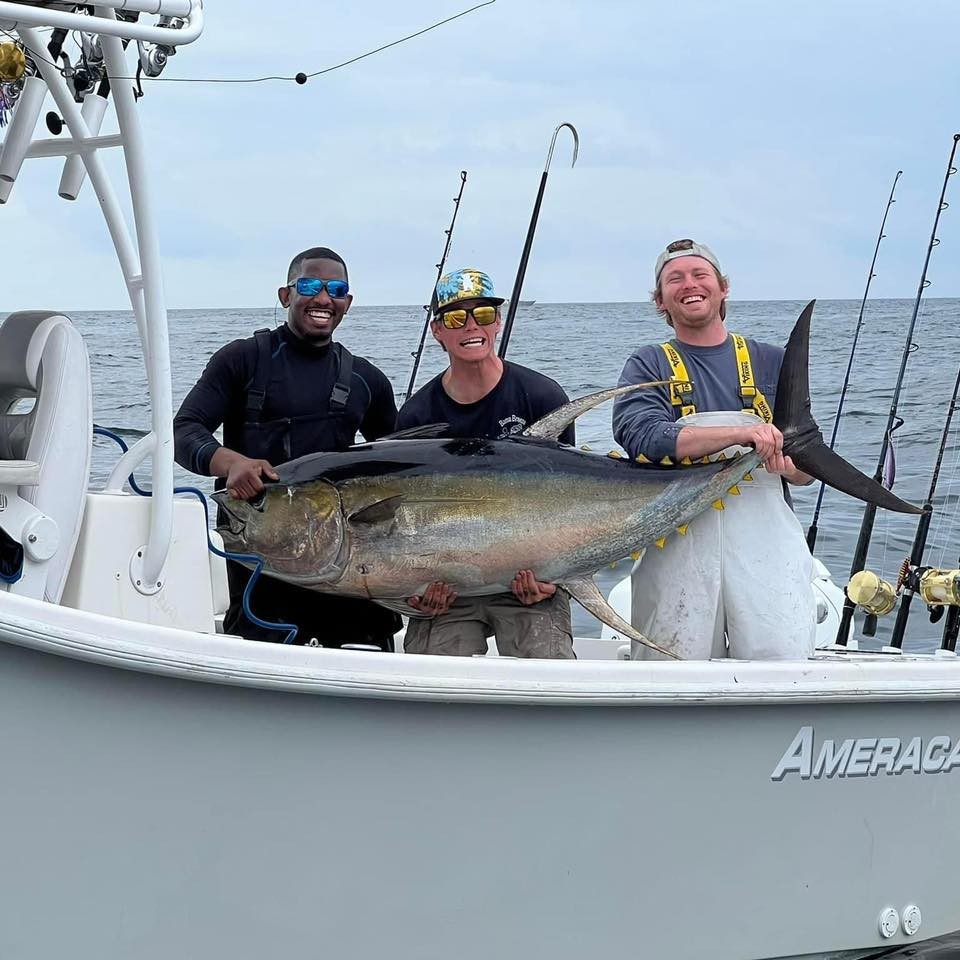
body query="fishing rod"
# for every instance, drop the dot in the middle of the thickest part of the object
(528, 243)
(870, 511)
(426, 308)
(813, 529)
(951, 628)
(910, 575)
(938, 588)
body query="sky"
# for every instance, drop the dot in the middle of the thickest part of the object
(771, 132)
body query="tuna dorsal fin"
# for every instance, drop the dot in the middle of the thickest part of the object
(553, 424)
(379, 512)
(426, 431)
(586, 592)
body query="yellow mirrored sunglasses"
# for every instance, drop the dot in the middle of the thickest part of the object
(455, 319)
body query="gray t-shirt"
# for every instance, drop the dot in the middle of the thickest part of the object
(645, 421)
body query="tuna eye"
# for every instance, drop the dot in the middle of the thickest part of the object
(257, 501)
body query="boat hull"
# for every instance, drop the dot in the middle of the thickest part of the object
(148, 815)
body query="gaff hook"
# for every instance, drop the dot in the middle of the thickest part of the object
(528, 243)
(553, 143)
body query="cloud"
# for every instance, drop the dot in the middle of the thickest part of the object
(770, 132)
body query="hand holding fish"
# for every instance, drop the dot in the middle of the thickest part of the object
(529, 590)
(243, 474)
(436, 599)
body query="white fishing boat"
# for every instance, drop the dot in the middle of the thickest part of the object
(169, 791)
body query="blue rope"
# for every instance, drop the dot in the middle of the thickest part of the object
(226, 554)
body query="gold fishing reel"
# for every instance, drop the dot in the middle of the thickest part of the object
(13, 62)
(873, 595)
(937, 588)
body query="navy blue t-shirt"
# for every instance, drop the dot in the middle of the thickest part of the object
(521, 398)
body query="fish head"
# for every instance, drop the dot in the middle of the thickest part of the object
(296, 529)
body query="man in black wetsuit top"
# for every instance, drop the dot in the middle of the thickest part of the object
(282, 394)
(480, 395)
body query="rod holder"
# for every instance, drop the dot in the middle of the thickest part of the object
(74, 170)
(21, 127)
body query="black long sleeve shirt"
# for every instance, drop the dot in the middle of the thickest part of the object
(301, 381)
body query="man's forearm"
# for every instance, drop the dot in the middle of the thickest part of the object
(696, 442)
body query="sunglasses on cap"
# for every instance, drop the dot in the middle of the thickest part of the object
(311, 287)
(679, 245)
(455, 319)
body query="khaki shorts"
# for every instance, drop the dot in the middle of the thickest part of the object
(541, 630)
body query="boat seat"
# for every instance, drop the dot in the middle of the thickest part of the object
(46, 428)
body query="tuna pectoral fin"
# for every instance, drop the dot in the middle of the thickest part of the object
(588, 595)
(404, 609)
(802, 439)
(379, 512)
(553, 424)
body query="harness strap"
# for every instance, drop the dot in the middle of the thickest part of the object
(257, 393)
(682, 395)
(341, 389)
(751, 398)
(261, 377)
(681, 389)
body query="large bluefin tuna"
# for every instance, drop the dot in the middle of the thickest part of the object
(383, 520)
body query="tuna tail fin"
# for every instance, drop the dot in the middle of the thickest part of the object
(802, 439)
(553, 424)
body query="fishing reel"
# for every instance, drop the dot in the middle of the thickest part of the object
(15, 67)
(154, 56)
(876, 597)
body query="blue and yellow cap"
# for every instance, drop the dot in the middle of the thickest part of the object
(465, 284)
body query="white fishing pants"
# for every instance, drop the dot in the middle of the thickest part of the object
(743, 572)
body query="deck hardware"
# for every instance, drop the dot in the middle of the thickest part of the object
(889, 923)
(912, 919)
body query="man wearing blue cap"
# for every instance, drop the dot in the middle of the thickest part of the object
(480, 395)
(741, 577)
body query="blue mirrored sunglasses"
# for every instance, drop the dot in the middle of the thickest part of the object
(311, 286)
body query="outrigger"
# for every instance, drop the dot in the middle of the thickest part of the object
(173, 791)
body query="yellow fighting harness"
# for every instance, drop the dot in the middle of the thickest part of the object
(681, 391)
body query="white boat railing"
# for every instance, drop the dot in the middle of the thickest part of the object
(15, 15)
(139, 252)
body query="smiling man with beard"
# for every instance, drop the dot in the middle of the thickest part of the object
(282, 394)
(741, 572)
(480, 395)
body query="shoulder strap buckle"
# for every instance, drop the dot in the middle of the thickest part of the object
(681, 390)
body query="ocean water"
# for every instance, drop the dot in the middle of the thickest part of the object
(583, 347)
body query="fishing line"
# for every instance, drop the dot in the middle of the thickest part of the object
(812, 530)
(945, 515)
(300, 77)
(870, 511)
(923, 525)
(888, 520)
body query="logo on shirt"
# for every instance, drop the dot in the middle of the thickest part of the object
(511, 425)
